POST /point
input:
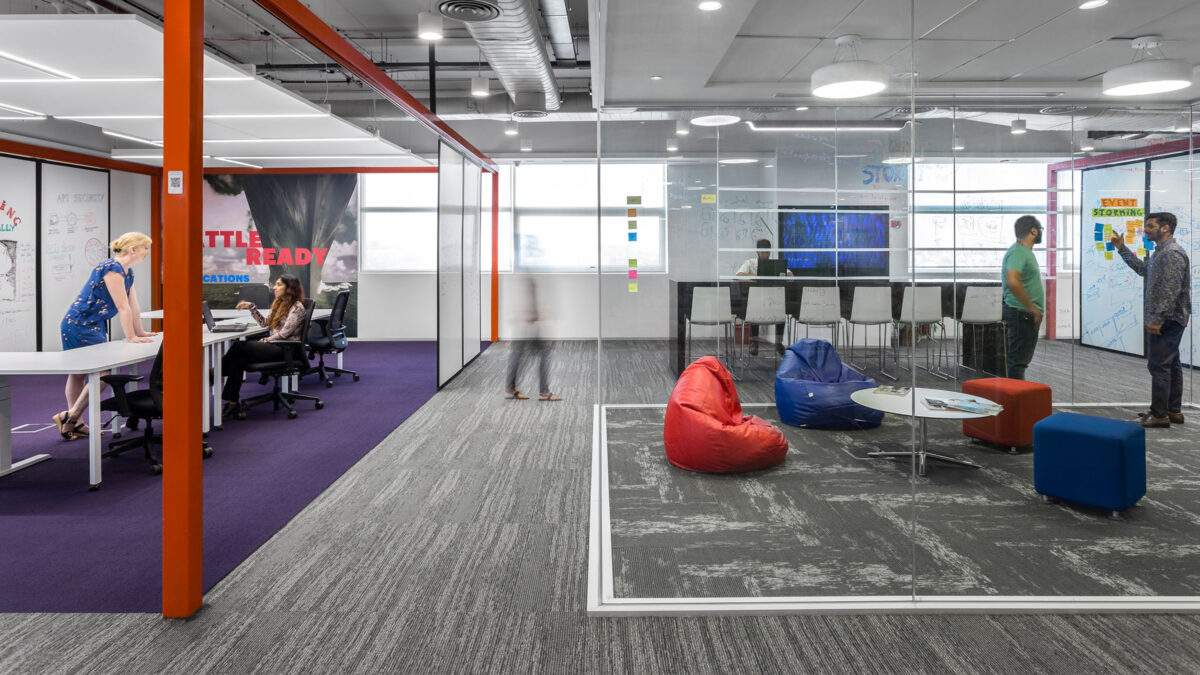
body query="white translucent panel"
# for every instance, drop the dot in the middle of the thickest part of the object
(399, 241)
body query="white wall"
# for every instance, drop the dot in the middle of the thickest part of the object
(129, 197)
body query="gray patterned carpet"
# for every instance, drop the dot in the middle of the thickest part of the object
(459, 545)
(832, 521)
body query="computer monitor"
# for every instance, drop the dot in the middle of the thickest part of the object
(771, 267)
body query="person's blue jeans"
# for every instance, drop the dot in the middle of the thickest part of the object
(1022, 334)
(1166, 373)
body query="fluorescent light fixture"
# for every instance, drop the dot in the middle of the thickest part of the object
(342, 139)
(1018, 127)
(849, 76)
(510, 128)
(1149, 73)
(36, 66)
(480, 87)
(1092, 4)
(768, 166)
(672, 145)
(22, 118)
(737, 160)
(429, 26)
(709, 6)
(801, 108)
(958, 144)
(903, 160)
(681, 128)
(526, 145)
(234, 161)
(142, 154)
(266, 116)
(811, 125)
(715, 120)
(130, 137)
(21, 111)
(315, 157)
(656, 78)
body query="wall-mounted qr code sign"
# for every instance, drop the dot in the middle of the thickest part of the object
(174, 182)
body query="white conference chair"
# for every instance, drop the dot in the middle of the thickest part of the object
(983, 307)
(872, 306)
(711, 306)
(766, 307)
(922, 309)
(821, 306)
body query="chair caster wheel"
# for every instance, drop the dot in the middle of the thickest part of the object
(93, 488)
(319, 405)
(356, 378)
(156, 469)
(328, 384)
(116, 436)
(206, 452)
(291, 414)
(239, 415)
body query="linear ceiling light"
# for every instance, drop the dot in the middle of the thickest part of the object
(21, 111)
(429, 26)
(811, 125)
(737, 160)
(849, 76)
(342, 139)
(130, 137)
(1092, 4)
(1150, 72)
(404, 153)
(903, 160)
(234, 161)
(37, 66)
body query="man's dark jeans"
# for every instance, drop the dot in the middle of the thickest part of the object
(1022, 333)
(1166, 373)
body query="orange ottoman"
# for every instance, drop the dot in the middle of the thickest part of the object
(1024, 404)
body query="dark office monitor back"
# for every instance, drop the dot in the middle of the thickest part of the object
(770, 267)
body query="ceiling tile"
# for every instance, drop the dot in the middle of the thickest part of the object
(762, 59)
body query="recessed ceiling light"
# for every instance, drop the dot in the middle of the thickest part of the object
(801, 108)
(715, 120)
(656, 78)
(1150, 73)
(737, 160)
(904, 75)
(709, 6)
(768, 166)
(849, 76)
(1092, 4)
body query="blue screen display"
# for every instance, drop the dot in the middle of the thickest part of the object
(848, 229)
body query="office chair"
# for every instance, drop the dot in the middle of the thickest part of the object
(821, 306)
(983, 308)
(259, 294)
(328, 336)
(293, 363)
(139, 404)
(711, 306)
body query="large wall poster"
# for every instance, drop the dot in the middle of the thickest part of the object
(18, 255)
(1110, 306)
(75, 238)
(259, 226)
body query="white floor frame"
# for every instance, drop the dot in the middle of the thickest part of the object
(601, 600)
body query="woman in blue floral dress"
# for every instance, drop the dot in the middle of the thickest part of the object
(108, 293)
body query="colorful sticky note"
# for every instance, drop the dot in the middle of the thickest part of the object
(1142, 252)
(632, 213)
(633, 224)
(1099, 246)
(1099, 227)
(1099, 236)
(1108, 246)
(708, 199)
(633, 288)
(633, 199)
(1108, 255)
(632, 274)
(633, 262)
(633, 236)
(1129, 237)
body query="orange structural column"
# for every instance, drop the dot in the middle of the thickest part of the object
(495, 256)
(183, 124)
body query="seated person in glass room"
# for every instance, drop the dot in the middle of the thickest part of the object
(750, 269)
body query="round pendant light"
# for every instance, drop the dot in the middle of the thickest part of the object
(1150, 73)
(1018, 127)
(429, 26)
(715, 120)
(480, 87)
(849, 76)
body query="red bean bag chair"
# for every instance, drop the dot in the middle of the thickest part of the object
(706, 431)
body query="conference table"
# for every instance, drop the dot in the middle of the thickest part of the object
(904, 405)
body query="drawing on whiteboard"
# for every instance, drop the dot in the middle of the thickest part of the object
(94, 252)
(8, 269)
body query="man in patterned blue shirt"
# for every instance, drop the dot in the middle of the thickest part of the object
(1167, 305)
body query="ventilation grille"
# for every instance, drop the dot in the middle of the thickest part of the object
(906, 111)
(529, 105)
(469, 11)
(1062, 109)
(532, 114)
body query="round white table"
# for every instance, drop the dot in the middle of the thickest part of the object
(904, 405)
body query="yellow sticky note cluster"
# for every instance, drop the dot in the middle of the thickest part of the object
(1141, 253)
(1130, 237)
(1099, 246)
(1108, 255)
(633, 288)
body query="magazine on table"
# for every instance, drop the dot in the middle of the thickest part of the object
(892, 390)
(967, 405)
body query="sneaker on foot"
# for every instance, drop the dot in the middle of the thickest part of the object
(1173, 417)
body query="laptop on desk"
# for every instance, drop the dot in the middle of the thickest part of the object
(214, 327)
(771, 267)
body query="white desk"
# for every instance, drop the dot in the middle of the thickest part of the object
(242, 315)
(91, 361)
(903, 405)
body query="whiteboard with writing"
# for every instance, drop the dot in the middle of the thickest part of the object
(1110, 304)
(1172, 182)
(75, 239)
(18, 255)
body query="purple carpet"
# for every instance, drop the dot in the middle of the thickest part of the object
(66, 549)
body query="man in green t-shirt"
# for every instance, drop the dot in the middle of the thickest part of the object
(1024, 299)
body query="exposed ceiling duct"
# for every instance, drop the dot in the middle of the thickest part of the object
(513, 46)
(558, 25)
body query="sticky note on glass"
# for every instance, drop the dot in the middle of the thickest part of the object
(1108, 255)
(633, 288)
(632, 274)
(633, 224)
(1099, 227)
(1108, 246)
(634, 199)
(633, 262)
(632, 213)
(1099, 246)
(1129, 238)
(1142, 252)
(633, 236)
(1099, 236)
(708, 199)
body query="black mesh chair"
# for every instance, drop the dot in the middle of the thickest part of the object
(328, 337)
(259, 294)
(293, 363)
(139, 405)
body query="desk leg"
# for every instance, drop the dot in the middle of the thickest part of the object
(205, 390)
(215, 393)
(6, 463)
(94, 437)
(922, 454)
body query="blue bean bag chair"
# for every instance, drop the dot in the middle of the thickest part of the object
(813, 387)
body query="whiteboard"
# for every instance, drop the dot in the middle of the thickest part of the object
(1172, 188)
(18, 255)
(1110, 304)
(75, 237)
(450, 264)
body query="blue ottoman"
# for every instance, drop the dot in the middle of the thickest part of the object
(1090, 460)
